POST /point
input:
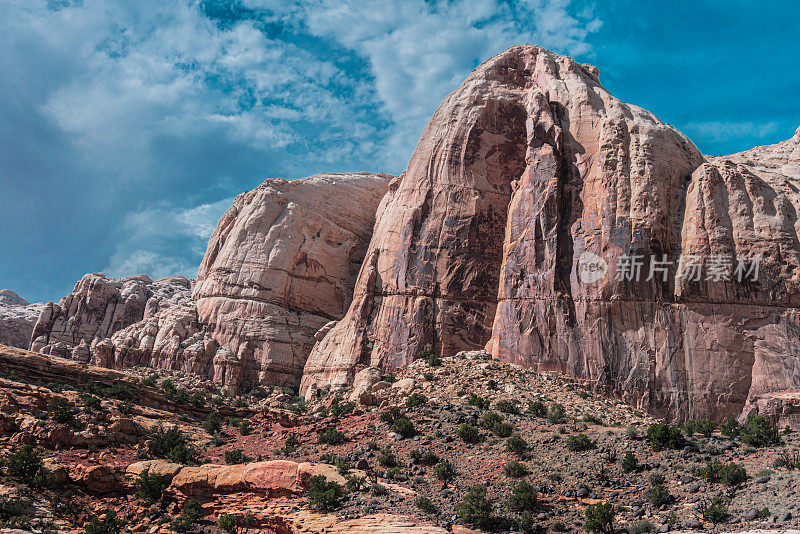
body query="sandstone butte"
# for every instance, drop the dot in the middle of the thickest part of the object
(523, 168)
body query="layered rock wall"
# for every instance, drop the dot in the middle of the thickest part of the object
(17, 318)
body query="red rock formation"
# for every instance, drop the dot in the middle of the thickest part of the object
(524, 168)
(17, 318)
(280, 265)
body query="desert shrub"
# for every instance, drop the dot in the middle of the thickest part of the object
(389, 415)
(475, 509)
(556, 413)
(629, 462)
(657, 478)
(526, 523)
(524, 498)
(729, 474)
(387, 458)
(25, 464)
(579, 442)
(633, 433)
(60, 410)
(537, 409)
(763, 513)
(404, 427)
(426, 457)
(659, 495)
(354, 483)
(704, 427)
(14, 513)
(731, 428)
(445, 471)
(213, 422)
(432, 359)
(198, 399)
(191, 513)
(426, 506)
(338, 407)
(235, 456)
(236, 525)
(514, 469)
(787, 459)
(489, 419)
(507, 406)
(491, 384)
(600, 518)
(469, 433)
(290, 444)
(758, 431)
(663, 436)
(90, 402)
(323, 494)
(109, 524)
(331, 436)
(125, 407)
(171, 445)
(503, 430)
(478, 401)
(716, 512)
(416, 399)
(591, 419)
(150, 487)
(517, 445)
(428, 376)
(641, 527)
(244, 427)
(169, 389)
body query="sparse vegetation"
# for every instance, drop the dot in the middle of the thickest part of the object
(514, 469)
(171, 445)
(524, 498)
(629, 462)
(108, 524)
(404, 427)
(517, 445)
(26, 464)
(507, 406)
(579, 442)
(704, 427)
(600, 518)
(416, 399)
(150, 487)
(759, 431)
(323, 494)
(556, 413)
(469, 433)
(537, 409)
(663, 436)
(191, 513)
(235, 456)
(475, 509)
(445, 471)
(426, 506)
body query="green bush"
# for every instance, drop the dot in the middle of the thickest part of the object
(445, 471)
(503, 430)
(191, 513)
(331, 436)
(600, 518)
(235, 456)
(426, 457)
(524, 498)
(759, 431)
(26, 464)
(556, 413)
(387, 458)
(716, 512)
(171, 445)
(629, 462)
(339, 408)
(475, 509)
(426, 506)
(213, 423)
(489, 419)
(537, 409)
(14, 513)
(404, 427)
(60, 410)
(107, 525)
(469, 433)
(290, 445)
(323, 494)
(169, 389)
(90, 402)
(704, 427)
(731, 428)
(592, 419)
(434, 360)
(507, 406)
(236, 525)
(659, 495)
(150, 487)
(517, 445)
(388, 416)
(244, 427)
(416, 399)
(729, 474)
(514, 469)
(663, 436)
(579, 442)
(478, 401)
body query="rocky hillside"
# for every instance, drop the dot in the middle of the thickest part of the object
(464, 444)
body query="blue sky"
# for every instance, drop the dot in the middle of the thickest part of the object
(126, 128)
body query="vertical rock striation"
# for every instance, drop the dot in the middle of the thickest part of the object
(17, 318)
(526, 168)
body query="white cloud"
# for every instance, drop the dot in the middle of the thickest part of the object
(164, 241)
(719, 132)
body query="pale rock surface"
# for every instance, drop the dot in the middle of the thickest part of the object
(17, 318)
(280, 266)
(522, 169)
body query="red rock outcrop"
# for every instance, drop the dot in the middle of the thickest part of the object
(280, 265)
(522, 170)
(17, 318)
(100, 306)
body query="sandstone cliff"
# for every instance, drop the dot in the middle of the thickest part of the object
(280, 265)
(522, 169)
(17, 317)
